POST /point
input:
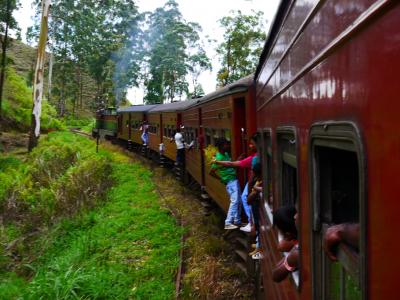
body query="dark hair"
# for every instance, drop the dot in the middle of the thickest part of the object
(257, 169)
(220, 143)
(284, 219)
(255, 137)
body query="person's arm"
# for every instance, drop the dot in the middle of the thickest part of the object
(286, 266)
(347, 233)
(213, 173)
(228, 163)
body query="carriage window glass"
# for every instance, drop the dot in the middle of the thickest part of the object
(267, 171)
(227, 134)
(208, 136)
(337, 180)
(287, 169)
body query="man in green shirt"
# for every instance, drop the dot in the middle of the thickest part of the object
(227, 175)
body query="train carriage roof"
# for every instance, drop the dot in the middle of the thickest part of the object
(175, 106)
(277, 23)
(241, 85)
(137, 108)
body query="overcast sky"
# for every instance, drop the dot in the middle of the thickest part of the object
(205, 12)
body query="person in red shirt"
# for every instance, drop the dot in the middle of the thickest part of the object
(245, 164)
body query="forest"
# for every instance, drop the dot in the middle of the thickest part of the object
(76, 223)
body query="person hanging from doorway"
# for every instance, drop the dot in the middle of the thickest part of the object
(245, 163)
(180, 146)
(227, 175)
(145, 133)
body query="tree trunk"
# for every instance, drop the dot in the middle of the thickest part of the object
(3, 55)
(38, 79)
(50, 76)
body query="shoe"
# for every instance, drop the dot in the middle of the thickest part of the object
(254, 252)
(246, 228)
(257, 255)
(230, 226)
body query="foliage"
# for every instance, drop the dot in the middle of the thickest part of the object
(124, 248)
(18, 105)
(7, 22)
(242, 45)
(209, 152)
(101, 38)
(172, 51)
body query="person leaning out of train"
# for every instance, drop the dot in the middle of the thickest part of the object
(346, 233)
(145, 135)
(284, 220)
(227, 175)
(245, 163)
(253, 199)
(180, 145)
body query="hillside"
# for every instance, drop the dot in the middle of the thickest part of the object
(22, 59)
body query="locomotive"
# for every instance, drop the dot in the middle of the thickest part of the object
(324, 101)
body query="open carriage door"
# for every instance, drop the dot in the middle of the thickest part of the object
(239, 135)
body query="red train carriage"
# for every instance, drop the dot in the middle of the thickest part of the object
(327, 106)
(130, 120)
(163, 121)
(227, 113)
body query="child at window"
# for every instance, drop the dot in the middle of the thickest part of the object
(284, 219)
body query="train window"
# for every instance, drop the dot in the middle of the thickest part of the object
(288, 187)
(266, 150)
(338, 191)
(208, 136)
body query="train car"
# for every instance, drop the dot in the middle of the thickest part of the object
(163, 121)
(106, 123)
(327, 108)
(227, 113)
(130, 120)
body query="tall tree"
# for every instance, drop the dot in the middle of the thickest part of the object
(96, 37)
(7, 22)
(242, 45)
(39, 76)
(171, 43)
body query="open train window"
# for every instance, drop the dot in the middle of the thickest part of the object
(266, 157)
(338, 185)
(208, 136)
(287, 158)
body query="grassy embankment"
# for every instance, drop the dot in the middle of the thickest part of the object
(81, 225)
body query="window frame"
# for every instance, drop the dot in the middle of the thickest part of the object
(280, 132)
(341, 136)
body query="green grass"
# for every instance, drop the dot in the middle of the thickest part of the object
(123, 248)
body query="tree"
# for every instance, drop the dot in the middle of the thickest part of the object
(100, 38)
(7, 22)
(242, 45)
(39, 76)
(172, 50)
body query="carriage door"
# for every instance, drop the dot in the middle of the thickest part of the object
(338, 198)
(239, 138)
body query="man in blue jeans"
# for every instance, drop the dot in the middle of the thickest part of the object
(227, 175)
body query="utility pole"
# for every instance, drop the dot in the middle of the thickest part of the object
(39, 77)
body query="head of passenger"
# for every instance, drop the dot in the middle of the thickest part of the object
(178, 129)
(284, 220)
(222, 145)
(257, 171)
(253, 143)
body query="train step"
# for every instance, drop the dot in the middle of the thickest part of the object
(242, 267)
(243, 242)
(243, 255)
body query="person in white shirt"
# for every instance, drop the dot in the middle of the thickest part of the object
(180, 146)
